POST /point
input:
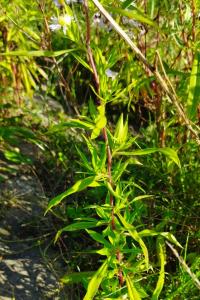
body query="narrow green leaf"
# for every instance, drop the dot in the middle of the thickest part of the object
(82, 62)
(166, 151)
(119, 128)
(73, 123)
(134, 13)
(171, 154)
(132, 292)
(102, 160)
(138, 198)
(127, 3)
(170, 237)
(148, 232)
(79, 226)
(37, 53)
(25, 77)
(194, 88)
(96, 280)
(162, 260)
(92, 109)
(99, 238)
(77, 187)
(134, 234)
(84, 159)
(93, 151)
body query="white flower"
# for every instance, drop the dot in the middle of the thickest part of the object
(60, 22)
(55, 25)
(111, 74)
(100, 21)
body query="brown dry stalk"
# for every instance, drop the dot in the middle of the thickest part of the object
(169, 90)
(185, 266)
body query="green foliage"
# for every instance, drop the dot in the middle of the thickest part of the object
(124, 165)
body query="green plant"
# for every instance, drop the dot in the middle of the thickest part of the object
(126, 264)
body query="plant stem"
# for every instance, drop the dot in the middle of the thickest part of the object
(168, 89)
(104, 132)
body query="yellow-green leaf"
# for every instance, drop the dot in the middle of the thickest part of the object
(166, 151)
(77, 187)
(37, 53)
(132, 292)
(162, 260)
(96, 280)
(134, 234)
(194, 88)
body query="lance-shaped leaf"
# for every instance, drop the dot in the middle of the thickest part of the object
(134, 234)
(194, 88)
(73, 123)
(121, 130)
(96, 280)
(166, 151)
(77, 187)
(169, 236)
(132, 292)
(99, 238)
(100, 122)
(162, 261)
(37, 53)
(79, 226)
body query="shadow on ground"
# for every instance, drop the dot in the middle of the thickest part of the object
(25, 270)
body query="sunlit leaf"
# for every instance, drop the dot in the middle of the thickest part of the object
(37, 53)
(162, 261)
(95, 282)
(134, 234)
(82, 62)
(170, 237)
(194, 88)
(73, 123)
(77, 187)
(81, 225)
(132, 292)
(166, 151)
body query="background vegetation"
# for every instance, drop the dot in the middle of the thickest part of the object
(112, 133)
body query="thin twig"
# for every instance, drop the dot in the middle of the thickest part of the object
(185, 266)
(151, 68)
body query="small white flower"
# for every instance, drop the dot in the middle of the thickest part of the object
(100, 21)
(60, 22)
(111, 74)
(55, 25)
